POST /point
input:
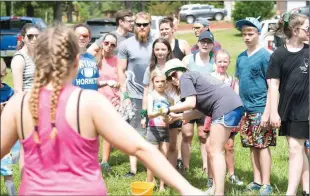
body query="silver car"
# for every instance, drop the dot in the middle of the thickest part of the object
(189, 13)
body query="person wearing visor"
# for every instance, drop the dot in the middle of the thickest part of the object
(206, 95)
(201, 25)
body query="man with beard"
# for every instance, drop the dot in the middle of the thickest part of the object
(134, 57)
(124, 23)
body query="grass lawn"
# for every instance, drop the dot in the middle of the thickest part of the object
(118, 185)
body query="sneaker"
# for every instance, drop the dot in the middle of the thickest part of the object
(304, 193)
(129, 175)
(105, 166)
(265, 190)
(210, 191)
(253, 186)
(179, 164)
(210, 183)
(235, 180)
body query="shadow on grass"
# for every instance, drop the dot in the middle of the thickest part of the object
(239, 34)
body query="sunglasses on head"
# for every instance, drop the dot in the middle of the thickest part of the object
(142, 24)
(172, 75)
(31, 36)
(106, 43)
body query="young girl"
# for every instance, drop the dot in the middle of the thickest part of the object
(222, 60)
(162, 52)
(289, 74)
(157, 131)
(109, 82)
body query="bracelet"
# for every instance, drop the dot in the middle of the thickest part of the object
(126, 96)
(143, 113)
(168, 112)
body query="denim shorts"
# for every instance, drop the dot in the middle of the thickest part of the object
(231, 119)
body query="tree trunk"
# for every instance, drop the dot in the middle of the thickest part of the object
(57, 11)
(8, 8)
(128, 5)
(30, 10)
(69, 11)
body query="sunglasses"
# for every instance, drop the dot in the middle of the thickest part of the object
(196, 28)
(173, 75)
(106, 43)
(84, 36)
(306, 30)
(31, 36)
(142, 24)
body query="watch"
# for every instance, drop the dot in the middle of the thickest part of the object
(168, 112)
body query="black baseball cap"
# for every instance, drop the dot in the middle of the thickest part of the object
(206, 35)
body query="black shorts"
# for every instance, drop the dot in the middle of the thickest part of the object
(295, 129)
(199, 121)
(176, 125)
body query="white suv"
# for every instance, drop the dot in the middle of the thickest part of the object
(267, 40)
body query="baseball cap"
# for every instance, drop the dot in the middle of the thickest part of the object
(206, 35)
(249, 21)
(203, 21)
(174, 65)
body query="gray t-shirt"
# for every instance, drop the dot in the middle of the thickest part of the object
(214, 98)
(120, 38)
(138, 56)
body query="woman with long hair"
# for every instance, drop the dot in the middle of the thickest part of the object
(59, 124)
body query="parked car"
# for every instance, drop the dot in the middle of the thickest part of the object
(10, 34)
(266, 38)
(189, 13)
(155, 33)
(100, 26)
(304, 10)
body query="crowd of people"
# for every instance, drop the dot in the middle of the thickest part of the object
(143, 95)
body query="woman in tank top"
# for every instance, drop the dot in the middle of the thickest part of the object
(22, 64)
(180, 48)
(59, 124)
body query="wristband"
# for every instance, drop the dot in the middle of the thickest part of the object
(143, 113)
(168, 112)
(126, 96)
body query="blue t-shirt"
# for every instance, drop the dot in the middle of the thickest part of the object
(6, 93)
(251, 72)
(88, 73)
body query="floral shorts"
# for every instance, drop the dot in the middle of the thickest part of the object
(8, 160)
(253, 135)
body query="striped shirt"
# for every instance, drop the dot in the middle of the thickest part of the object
(28, 72)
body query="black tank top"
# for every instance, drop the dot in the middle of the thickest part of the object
(177, 53)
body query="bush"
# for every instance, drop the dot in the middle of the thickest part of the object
(244, 9)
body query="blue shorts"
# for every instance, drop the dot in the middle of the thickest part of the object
(307, 144)
(231, 119)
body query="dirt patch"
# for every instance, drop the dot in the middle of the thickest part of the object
(213, 25)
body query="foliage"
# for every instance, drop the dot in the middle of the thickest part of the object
(163, 8)
(244, 9)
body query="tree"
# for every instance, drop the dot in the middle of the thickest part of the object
(58, 11)
(244, 9)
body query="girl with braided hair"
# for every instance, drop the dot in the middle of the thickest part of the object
(61, 151)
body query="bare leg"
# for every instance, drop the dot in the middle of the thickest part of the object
(179, 143)
(149, 173)
(133, 164)
(265, 165)
(305, 174)
(202, 136)
(164, 146)
(106, 150)
(187, 134)
(230, 156)
(256, 165)
(296, 160)
(218, 138)
(172, 152)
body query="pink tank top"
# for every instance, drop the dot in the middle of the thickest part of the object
(66, 165)
(108, 71)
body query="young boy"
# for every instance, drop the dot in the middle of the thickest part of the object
(251, 84)
(6, 93)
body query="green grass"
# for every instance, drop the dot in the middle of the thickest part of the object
(118, 185)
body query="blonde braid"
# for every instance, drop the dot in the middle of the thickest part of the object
(55, 53)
